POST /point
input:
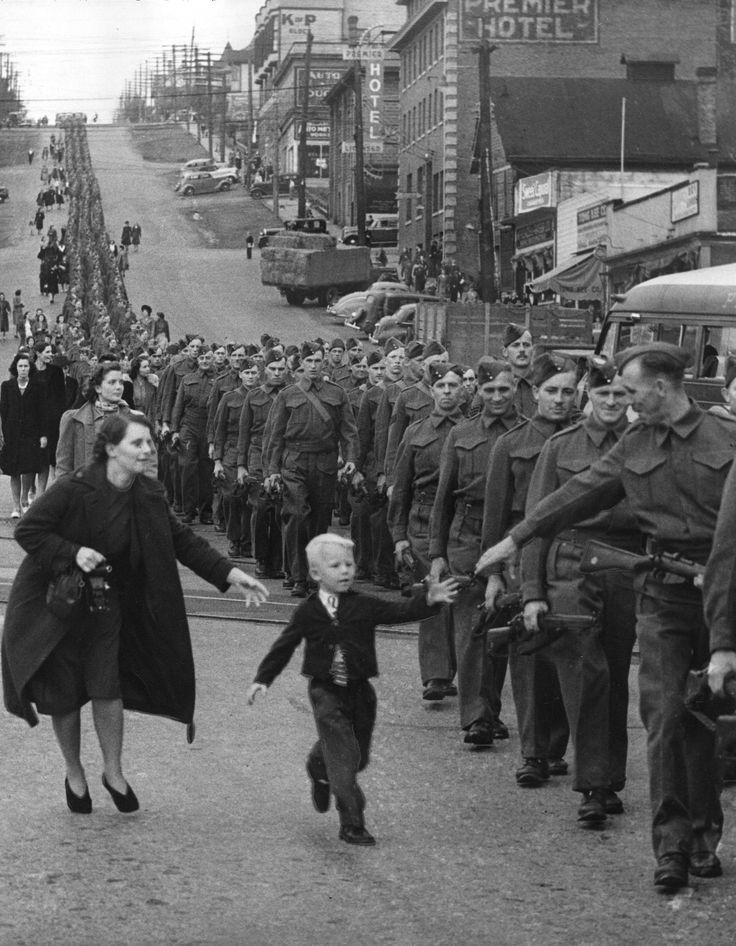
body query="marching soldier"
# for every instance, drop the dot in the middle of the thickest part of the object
(311, 425)
(226, 379)
(543, 730)
(410, 507)
(455, 532)
(265, 507)
(189, 428)
(672, 466)
(592, 667)
(518, 349)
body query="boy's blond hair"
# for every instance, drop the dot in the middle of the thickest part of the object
(319, 542)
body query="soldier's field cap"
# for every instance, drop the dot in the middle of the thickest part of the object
(601, 371)
(415, 350)
(338, 343)
(351, 343)
(374, 358)
(513, 333)
(273, 354)
(309, 348)
(678, 358)
(392, 344)
(548, 365)
(439, 369)
(490, 368)
(433, 348)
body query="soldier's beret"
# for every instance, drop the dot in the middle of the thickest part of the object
(433, 348)
(338, 343)
(291, 350)
(247, 364)
(438, 369)
(309, 348)
(251, 350)
(489, 369)
(601, 371)
(513, 333)
(374, 358)
(671, 356)
(549, 364)
(264, 338)
(415, 350)
(272, 355)
(392, 344)
(730, 371)
(352, 343)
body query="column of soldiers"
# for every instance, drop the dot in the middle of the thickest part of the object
(507, 480)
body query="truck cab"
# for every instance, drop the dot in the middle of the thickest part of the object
(695, 310)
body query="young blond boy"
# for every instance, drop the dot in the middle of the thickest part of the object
(338, 626)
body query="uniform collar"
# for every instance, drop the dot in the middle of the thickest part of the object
(598, 432)
(509, 419)
(306, 384)
(683, 426)
(437, 418)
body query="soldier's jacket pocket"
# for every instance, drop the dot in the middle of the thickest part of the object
(472, 458)
(711, 470)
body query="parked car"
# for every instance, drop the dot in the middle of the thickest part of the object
(307, 224)
(265, 188)
(4, 194)
(201, 164)
(380, 230)
(202, 182)
(219, 171)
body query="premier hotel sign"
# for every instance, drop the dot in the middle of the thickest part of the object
(529, 21)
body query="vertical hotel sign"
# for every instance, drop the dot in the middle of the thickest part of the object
(529, 21)
(373, 107)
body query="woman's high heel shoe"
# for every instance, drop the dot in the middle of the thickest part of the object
(79, 804)
(125, 803)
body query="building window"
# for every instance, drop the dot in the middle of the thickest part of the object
(408, 201)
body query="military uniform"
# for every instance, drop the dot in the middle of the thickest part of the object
(189, 420)
(224, 382)
(412, 404)
(673, 477)
(303, 447)
(524, 398)
(455, 530)
(592, 667)
(410, 507)
(266, 511)
(225, 431)
(543, 729)
(382, 564)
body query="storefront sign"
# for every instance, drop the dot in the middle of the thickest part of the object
(373, 131)
(685, 201)
(534, 192)
(295, 24)
(318, 131)
(320, 83)
(529, 21)
(592, 226)
(369, 147)
(534, 234)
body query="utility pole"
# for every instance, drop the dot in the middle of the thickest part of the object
(173, 79)
(302, 207)
(196, 86)
(209, 104)
(360, 203)
(486, 242)
(223, 123)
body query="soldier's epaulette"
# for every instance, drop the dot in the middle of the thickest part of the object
(523, 421)
(566, 430)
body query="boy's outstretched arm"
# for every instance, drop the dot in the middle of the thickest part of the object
(253, 690)
(442, 592)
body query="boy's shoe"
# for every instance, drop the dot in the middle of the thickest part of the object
(355, 835)
(533, 773)
(320, 792)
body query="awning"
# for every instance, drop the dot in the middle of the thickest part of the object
(577, 278)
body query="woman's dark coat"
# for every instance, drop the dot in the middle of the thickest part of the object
(156, 663)
(24, 422)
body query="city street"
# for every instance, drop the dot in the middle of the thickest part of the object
(227, 849)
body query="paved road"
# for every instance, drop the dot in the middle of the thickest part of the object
(227, 850)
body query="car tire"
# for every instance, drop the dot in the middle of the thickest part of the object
(330, 295)
(294, 297)
(188, 191)
(256, 194)
(224, 185)
(350, 240)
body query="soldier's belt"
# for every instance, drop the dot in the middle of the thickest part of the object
(306, 446)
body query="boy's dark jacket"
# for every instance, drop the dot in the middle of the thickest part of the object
(354, 628)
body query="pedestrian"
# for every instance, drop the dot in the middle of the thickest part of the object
(126, 238)
(672, 466)
(338, 626)
(132, 648)
(136, 233)
(30, 155)
(4, 316)
(24, 428)
(38, 220)
(249, 241)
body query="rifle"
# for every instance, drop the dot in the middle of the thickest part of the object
(597, 556)
(551, 627)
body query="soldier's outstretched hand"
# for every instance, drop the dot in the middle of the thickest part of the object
(503, 551)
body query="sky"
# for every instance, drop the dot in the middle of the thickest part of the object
(76, 55)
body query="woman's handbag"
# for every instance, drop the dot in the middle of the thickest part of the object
(65, 593)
